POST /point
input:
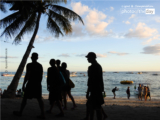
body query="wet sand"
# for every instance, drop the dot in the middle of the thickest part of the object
(116, 109)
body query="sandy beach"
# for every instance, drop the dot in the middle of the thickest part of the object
(116, 109)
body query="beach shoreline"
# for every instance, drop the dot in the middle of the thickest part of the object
(116, 109)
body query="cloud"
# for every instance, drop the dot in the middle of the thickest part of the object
(132, 16)
(141, 31)
(154, 49)
(98, 55)
(117, 53)
(8, 57)
(81, 55)
(79, 8)
(64, 55)
(101, 55)
(111, 8)
(156, 37)
(127, 22)
(95, 21)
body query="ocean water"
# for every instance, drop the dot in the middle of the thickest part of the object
(111, 80)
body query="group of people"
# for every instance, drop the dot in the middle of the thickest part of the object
(116, 89)
(143, 90)
(58, 87)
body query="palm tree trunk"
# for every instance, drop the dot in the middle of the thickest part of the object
(10, 93)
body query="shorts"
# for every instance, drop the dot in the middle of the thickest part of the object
(148, 94)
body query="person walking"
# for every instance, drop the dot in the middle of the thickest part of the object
(33, 88)
(128, 92)
(95, 88)
(54, 88)
(67, 89)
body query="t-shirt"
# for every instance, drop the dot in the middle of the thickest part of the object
(35, 70)
(53, 77)
(95, 77)
(139, 89)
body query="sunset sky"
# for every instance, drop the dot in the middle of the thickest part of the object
(121, 33)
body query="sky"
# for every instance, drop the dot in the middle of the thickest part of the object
(125, 35)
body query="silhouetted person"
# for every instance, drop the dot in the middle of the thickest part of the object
(128, 92)
(33, 89)
(114, 92)
(95, 88)
(58, 62)
(54, 87)
(140, 92)
(148, 95)
(67, 89)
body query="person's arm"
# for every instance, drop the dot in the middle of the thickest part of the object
(26, 78)
(48, 84)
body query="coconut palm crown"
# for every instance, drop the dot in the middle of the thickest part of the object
(26, 18)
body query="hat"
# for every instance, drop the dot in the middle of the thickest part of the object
(91, 54)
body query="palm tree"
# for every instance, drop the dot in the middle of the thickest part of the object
(26, 19)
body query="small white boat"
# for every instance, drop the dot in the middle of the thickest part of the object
(73, 75)
(7, 75)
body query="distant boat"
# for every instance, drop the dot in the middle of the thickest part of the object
(7, 75)
(144, 72)
(115, 72)
(73, 74)
(129, 73)
(139, 73)
(155, 74)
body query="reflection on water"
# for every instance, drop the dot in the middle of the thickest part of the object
(110, 81)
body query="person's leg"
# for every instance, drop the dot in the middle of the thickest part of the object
(92, 114)
(104, 114)
(60, 107)
(114, 95)
(70, 96)
(99, 114)
(41, 105)
(65, 101)
(51, 107)
(23, 104)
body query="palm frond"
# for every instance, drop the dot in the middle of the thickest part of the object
(14, 27)
(27, 28)
(9, 19)
(2, 7)
(61, 21)
(53, 27)
(67, 13)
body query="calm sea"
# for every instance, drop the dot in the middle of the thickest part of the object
(111, 80)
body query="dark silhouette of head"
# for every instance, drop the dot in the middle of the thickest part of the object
(58, 62)
(52, 62)
(91, 57)
(34, 57)
(64, 65)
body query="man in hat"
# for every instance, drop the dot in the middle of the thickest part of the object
(33, 88)
(95, 87)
